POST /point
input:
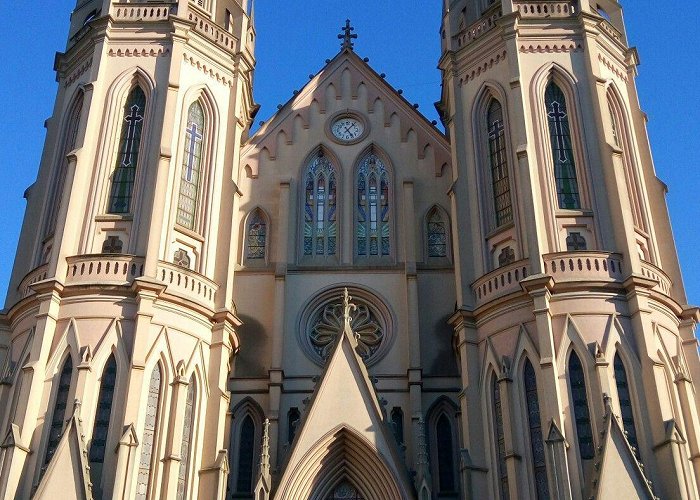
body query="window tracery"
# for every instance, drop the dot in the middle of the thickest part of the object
(320, 224)
(373, 232)
(256, 235)
(345, 491)
(582, 416)
(539, 464)
(500, 440)
(437, 234)
(498, 159)
(150, 426)
(187, 435)
(191, 179)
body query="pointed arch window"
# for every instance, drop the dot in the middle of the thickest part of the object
(191, 178)
(500, 439)
(437, 228)
(582, 416)
(103, 412)
(562, 148)
(372, 225)
(256, 235)
(187, 438)
(498, 159)
(246, 454)
(124, 176)
(397, 424)
(532, 401)
(320, 217)
(150, 428)
(58, 417)
(445, 455)
(623, 394)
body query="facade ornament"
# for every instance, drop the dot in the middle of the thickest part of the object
(347, 36)
(423, 479)
(264, 484)
(348, 309)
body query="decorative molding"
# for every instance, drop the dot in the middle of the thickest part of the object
(208, 70)
(612, 67)
(554, 48)
(482, 67)
(138, 52)
(78, 72)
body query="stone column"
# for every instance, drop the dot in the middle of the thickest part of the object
(513, 457)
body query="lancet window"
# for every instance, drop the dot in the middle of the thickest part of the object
(148, 441)
(124, 175)
(58, 417)
(397, 424)
(437, 227)
(373, 232)
(582, 416)
(246, 454)
(256, 235)
(192, 160)
(320, 217)
(623, 394)
(445, 455)
(103, 412)
(187, 440)
(532, 401)
(568, 196)
(498, 160)
(500, 440)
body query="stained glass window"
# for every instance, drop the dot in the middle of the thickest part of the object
(582, 416)
(103, 412)
(246, 452)
(373, 232)
(500, 440)
(187, 434)
(562, 148)
(575, 242)
(149, 434)
(623, 394)
(293, 419)
(58, 418)
(536, 439)
(498, 157)
(124, 174)
(257, 235)
(397, 424)
(320, 225)
(69, 141)
(445, 455)
(191, 178)
(437, 234)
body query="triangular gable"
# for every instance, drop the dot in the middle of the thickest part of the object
(68, 470)
(381, 97)
(344, 425)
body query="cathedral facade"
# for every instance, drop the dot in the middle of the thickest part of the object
(350, 302)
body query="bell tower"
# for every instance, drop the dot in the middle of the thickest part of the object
(569, 253)
(126, 251)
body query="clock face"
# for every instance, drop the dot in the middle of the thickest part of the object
(347, 128)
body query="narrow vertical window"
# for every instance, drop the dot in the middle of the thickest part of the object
(191, 178)
(582, 415)
(498, 157)
(437, 234)
(532, 401)
(256, 235)
(58, 417)
(397, 424)
(124, 175)
(372, 226)
(623, 394)
(562, 148)
(103, 412)
(187, 435)
(500, 440)
(445, 455)
(148, 442)
(320, 227)
(246, 453)
(293, 419)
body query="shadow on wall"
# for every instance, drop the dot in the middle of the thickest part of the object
(255, 348)
(444, 362)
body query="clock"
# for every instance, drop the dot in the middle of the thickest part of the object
(347, 128)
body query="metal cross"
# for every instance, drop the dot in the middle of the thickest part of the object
(347, 36)
(194, 137)
(495, 130)
(558, 114)
(132, 119)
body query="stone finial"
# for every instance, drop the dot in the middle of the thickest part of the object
(347, 36)
(348, 309)
(423, 480)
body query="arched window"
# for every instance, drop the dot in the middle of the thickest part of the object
(623, 394)
(59, 177)
(191, 178)
(372, 225)
(256, 235)
(562, 148)
(58, 417)
(397, 424)
(582, 416)
(150, 429)
(293, 419)
(532, 401)
(445, 455)
(320, 225)
(436, 230)
(124, 175)
(500, 440)
(498, 159)
(103, 412)
(246, 454)
(187, 435)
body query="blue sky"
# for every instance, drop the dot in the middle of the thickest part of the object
(401, 39)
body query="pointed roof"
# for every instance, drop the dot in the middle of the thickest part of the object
(343, 435)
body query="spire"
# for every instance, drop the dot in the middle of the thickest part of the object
(347, 36)
(264, 484)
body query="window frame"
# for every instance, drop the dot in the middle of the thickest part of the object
(246, 260)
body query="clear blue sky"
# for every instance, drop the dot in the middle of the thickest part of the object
(401, 39)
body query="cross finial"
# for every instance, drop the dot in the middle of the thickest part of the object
(347, 36)
(348, 309)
